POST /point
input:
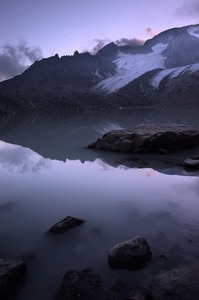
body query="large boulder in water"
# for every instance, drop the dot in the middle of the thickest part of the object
(176, 284)
(132, 254)
(149, 138)
(66, 224)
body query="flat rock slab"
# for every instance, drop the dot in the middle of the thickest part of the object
(132, 254)
(176, 284)
(150, 138)
(66, 224)
(11, 274)
(79, 285)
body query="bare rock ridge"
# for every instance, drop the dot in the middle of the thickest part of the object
(149, 138)
(165, 69)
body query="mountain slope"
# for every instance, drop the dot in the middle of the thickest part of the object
(165, 67)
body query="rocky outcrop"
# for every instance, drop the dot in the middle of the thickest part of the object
(79, 285)
(11, 274)
(66, 224)
(150, 138)
(176, 284)
(132, 254)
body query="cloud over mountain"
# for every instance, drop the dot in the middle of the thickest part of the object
(150, 31)
(131, 42)
(15, 59)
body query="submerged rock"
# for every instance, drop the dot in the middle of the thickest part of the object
(150, 138)
(11, 274)
(176, 284)
(133, 253)
(66, 224)
(79, 285)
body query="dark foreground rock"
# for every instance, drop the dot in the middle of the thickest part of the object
(116, 292)
(132, 254)
(150, 138)
(139, 293)
(66, 224)
(176, 284)
(11, 275)
(79, 285)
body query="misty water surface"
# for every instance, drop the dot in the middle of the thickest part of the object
(47, 173)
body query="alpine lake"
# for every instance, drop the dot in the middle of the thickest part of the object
(47, 173)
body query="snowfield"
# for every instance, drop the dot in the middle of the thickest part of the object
(172, 73)
(130, 67)
(194, 30)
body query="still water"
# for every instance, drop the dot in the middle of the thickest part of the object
(47, 173)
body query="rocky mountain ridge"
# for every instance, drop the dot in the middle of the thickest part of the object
(165, 70)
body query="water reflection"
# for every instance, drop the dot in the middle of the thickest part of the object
(23, 159)
(67, 137)
(118, 203)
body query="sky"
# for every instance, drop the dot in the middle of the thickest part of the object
(33, 29)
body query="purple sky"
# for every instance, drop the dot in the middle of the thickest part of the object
(47, 27)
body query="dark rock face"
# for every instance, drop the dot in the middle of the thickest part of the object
(139, 293)
(115, 293)
(176, 284)
(66, 224)
(132, 254)
(79, 285)
(11, 274)
(149, 138)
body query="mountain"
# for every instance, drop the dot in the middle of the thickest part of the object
(163, 70)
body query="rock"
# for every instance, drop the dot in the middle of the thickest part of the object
(79, 285)
(150, 138)
(132, 254)
(139, 293)
(176, 284)
(66, 224)
(11, 275)
(191, 163)
(115, 293)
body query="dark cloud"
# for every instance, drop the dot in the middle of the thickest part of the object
(15, 59)
(98, 44)
(130, 42)
(150, 31)
(189, 8)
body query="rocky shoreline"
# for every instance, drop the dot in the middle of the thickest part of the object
(179, 283)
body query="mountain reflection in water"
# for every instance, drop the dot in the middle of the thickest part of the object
(117, 203)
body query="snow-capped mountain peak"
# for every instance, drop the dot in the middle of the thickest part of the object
(132, 66)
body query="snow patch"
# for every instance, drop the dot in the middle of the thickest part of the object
(155, 82)
(194, 31)
(96, 73)
(174, 72)
(130, 67)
